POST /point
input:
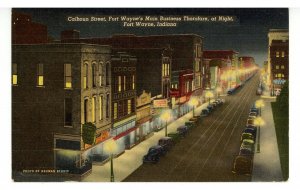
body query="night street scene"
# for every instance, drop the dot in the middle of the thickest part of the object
(150, 95)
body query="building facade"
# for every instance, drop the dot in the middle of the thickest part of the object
(123, 109)
(56, 88)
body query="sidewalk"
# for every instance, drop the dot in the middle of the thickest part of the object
(128, 162)
(266, 164)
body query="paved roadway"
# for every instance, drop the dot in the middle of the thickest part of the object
(208, 151)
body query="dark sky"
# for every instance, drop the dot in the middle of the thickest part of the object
(248, 35)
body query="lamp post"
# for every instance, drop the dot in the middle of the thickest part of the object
(209, 95)
(259, 122)
(193, 102)
(259, 104)
(111, 148)
(166, 117)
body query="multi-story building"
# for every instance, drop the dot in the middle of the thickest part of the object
(283, 36)
(25, 31)
(123, 109)
(56, 88)
(227, 62)
(246, 63)
(279, 62)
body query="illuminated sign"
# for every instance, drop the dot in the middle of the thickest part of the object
(160, 103)
(279, 81)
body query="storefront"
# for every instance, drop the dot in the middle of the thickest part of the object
(124, 133)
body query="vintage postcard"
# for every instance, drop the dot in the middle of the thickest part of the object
(150, 95)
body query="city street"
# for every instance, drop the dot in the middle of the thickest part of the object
(208, 151)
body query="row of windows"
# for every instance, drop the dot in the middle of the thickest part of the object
(279, 66)
(97, 108)
(278, 53)
(67, 75)
(123, 108)
(123, 83)
(279, 75)
(165, 69)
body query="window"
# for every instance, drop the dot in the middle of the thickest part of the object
(282, 75)
(128, 106)
(115, 110)
(124, 83)
(100, 75)
(277, 66)
(100, 107)
(68, 75)
(107, 106)
(119, 83)
(282, 54)
(175, 86)
(120, 108)
(277, 53)
(40, 74)
(133, 82)
(68, 112)
(132, 105)
(282, 66)
(94, 109)
(85, 109)
(94, 75)
(14, 74)
(107, 71)
(168, 69)
(85, 75)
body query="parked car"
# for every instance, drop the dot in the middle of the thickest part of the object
(253, 109)
(166, 142)
(204, 112)
(253, 114)
(246, 152)
(214, 104)
(242, 165)
(250, 121)
(182, 130)
(251, 117)
(154, 153)
(220, 101)
(210, 108)
(247, 136)
(247, 143)
(190, 124)
(251, 130)
(175, 136)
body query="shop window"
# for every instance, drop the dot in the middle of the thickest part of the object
(40, 74)
(68, 112)
(68, 75)
(14, 74)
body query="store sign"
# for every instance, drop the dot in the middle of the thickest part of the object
(182, 99)
(103, 136)
(160, 103)
(279, 81)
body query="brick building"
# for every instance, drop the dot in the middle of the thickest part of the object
(57, 88)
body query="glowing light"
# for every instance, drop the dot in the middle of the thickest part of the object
(259, 121)
(110, 146)
(259, 103)
(193, 102)
(209, 94)
(166, 116)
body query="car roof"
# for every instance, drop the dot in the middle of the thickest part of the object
(165, 138)
(182, 127)
(155, 147)
(248, 140)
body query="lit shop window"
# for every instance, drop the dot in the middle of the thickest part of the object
(100, 107)
(128, 106)
(68, 76)
(14, 74)
(85, 74)
(115, 110)
(40, 74)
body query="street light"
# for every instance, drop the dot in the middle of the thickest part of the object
(259, 104)
(111, 148)
(193, 102)
(209, 95)
(166, 116)
(259, 122)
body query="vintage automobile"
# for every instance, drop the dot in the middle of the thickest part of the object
(166, 142)
(182, 130)
(154, 153)
(242, 165)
